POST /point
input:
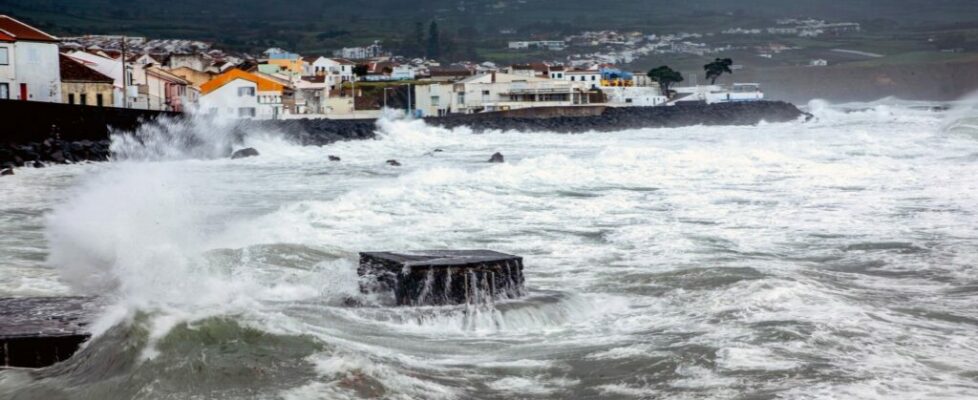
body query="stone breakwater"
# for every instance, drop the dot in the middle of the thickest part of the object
(52, 151)
(66, 143)
(614, 119)
(559, 120)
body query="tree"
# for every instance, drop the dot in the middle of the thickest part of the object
(434, 43)
(360, 70)
(665, 77)
(716, 68)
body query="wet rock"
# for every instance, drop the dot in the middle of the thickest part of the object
(437, 150)
(393, 163)
(497, 158)
(334, 158)
(38, 164)
(244, 153)
(6, 171)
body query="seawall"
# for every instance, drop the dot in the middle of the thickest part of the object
(34, 133)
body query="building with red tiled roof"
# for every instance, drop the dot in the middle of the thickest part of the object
(16, 30)
(29, 62)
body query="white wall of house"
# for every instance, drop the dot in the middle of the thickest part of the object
(34, 64)
(584, 79)
(8, 71)
(240, 98)
(721, 94)
(642, 96)
(433, 100)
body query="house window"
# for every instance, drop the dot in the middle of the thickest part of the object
(246, 112)
(71, 98)
(4, 90)
(4, 56)
(246, 91)
(435, 100)
(461, 98)
(83, 99)
(98, 99)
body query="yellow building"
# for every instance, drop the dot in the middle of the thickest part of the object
(289, 62)
(195, 77)
(83, 85)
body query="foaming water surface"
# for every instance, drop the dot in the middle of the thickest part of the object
(828, 259)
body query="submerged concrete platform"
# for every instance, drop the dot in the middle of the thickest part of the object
(40, 331)
(441, 277)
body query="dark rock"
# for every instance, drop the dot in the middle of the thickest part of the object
(438, 277)
(38, 164)
(334, 158)
(393, 163)
(58, 157)
(496, 158)
(437, 150)
(6, 171)
(243, 153)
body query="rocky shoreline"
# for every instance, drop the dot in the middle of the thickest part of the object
(52, 149)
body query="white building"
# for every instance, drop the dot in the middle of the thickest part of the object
(311, 93)
(336, 70)
(29, 63)
(542, 44)
(496, 91)
(711, 94)
(634, 96)
(240, 94)
(588, 79)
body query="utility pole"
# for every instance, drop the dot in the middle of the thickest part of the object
(409, 101)
(125, 75)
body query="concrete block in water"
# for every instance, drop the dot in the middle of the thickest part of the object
(38, 332)
(440, 277)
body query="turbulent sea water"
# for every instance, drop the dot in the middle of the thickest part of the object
(821, 260)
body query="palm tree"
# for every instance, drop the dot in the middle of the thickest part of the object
(716, 68)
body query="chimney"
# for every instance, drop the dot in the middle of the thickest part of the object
(493, 76)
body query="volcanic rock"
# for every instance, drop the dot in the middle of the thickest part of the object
(334, 158)
(393, 163)
(244, 153)
(497, 158)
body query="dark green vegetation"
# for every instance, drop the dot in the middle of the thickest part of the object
(665, 77)
(716, 68)
(913, 36)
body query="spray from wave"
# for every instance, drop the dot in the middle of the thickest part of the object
(138, 232)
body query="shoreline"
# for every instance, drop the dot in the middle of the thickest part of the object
(83, 133)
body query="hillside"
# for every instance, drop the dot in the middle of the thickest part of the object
(316, 25)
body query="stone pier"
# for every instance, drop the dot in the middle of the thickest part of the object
(442, 277)
(40, 331)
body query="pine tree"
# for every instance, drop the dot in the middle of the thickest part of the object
(434, 43)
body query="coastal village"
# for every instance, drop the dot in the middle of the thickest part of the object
(351, 83)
